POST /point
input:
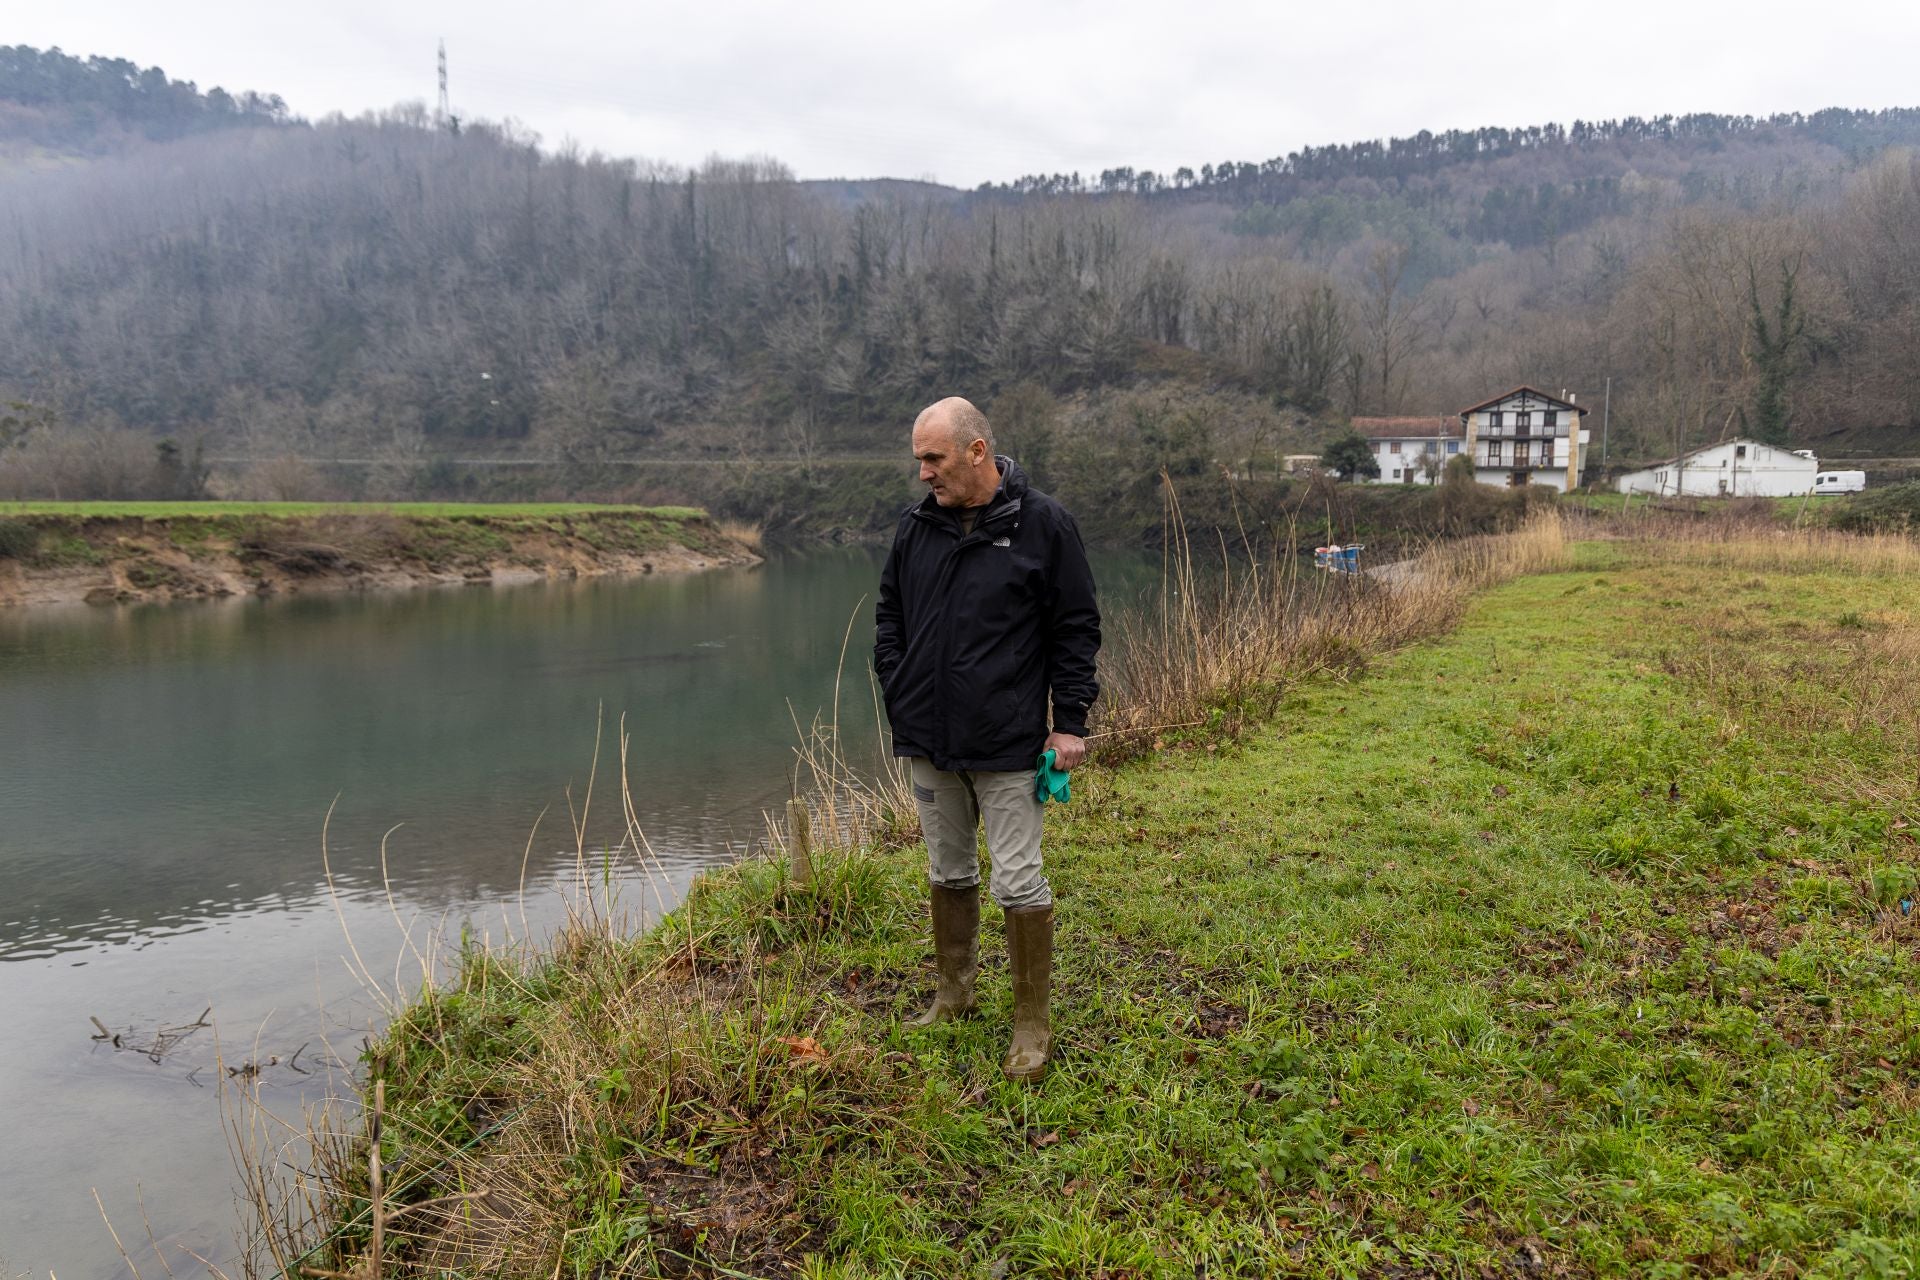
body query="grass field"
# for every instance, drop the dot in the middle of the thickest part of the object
(445, 510)
(1577, 942)
(1816, 508)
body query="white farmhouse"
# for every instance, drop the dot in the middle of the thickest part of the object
(1526, 437)
(1733, 469)
(1411, 450)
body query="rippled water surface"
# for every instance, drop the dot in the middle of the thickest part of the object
(165, 775)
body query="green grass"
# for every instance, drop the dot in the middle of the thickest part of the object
(67, 550)
(1554, 947)
(448, 510)
(1613, 503)
(1828, 508)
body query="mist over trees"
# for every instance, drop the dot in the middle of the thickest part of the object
(387, 289)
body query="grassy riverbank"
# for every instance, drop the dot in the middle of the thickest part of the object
(446, 510)
(107, 552)
(1576, 941)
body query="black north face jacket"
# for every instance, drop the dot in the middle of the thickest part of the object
(974, 631)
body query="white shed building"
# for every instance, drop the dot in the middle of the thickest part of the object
(1732, 469)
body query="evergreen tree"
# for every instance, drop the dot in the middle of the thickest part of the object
(1350, 456)
(1776, 347)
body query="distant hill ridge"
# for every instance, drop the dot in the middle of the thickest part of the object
(53, 99)
(387, 288)
(57, 102)
(1525, 187)
(1427, 153)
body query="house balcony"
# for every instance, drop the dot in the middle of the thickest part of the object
(1525, 462)
(1557, 431)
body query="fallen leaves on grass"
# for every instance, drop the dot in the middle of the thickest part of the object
(805, 1048)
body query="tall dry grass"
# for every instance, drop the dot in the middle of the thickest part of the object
(597, 1034)
(1792, 549)
(1753, 535)
(509, 1161)
(1857, 675)
(844, 797)
(1232, 629)
(750, 536)
(496, 1173)
(637, 1076)
(1862, 676)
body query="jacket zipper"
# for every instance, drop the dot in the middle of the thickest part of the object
(979, 537)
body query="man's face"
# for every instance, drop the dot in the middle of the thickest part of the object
(951, 471)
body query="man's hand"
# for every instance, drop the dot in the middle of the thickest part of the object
(1068, 751)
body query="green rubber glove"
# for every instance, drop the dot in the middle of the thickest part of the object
(1050, 783)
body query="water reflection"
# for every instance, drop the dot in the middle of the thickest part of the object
(290, 1008)
(165, 772)
(173, 763)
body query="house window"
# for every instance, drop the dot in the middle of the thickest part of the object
(1394, 447)
(1493, 454)
(1396, 473)
(1493, 419)
(1523, 421)
(1739, 451)
(1453, 447)
(1550, 417)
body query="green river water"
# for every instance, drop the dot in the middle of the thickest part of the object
(165, 775)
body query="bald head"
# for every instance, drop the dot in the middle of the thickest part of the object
(961, 423)
(953, 443)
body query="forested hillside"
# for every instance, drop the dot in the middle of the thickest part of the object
(384, 289)
(53, 103)
(1520, 186)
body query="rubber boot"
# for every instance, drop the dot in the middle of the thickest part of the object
(1030, 957)
(956, 946)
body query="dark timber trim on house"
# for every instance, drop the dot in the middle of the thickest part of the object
(1519, 451)
(1546, 401)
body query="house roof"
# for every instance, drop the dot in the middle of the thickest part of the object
(1719, 444)
(1407, 428)
(1537, 393)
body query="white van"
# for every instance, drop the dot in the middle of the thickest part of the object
(1840, 482)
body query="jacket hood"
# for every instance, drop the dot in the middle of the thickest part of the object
(1013, 486)
(1013, 477)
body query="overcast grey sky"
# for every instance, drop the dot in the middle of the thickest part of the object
(995, 89)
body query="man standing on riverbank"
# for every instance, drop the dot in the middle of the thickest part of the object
(986, 616)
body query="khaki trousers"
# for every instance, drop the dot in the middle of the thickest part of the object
(954, 806)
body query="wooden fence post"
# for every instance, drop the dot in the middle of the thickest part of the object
(799, 843)
(375, 1172)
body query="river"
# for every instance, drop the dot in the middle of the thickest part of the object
(166, 773)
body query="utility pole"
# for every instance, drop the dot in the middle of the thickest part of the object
(1606, 412)
(442, 114)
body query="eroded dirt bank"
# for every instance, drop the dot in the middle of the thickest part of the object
(60, 559)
